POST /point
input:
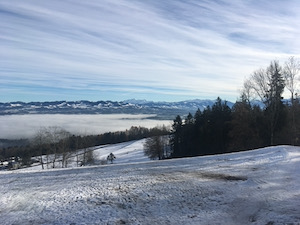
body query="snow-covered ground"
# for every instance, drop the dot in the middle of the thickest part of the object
(255, 187)
(126, 152)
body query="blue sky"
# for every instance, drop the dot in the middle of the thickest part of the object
(167, 50)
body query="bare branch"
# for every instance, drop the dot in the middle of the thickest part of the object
(291, 73)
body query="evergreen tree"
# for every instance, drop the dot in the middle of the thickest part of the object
(245, 132)
(199, 131)
(189, 119)
(220, 118)
(176, 137)
(205, 133)
(274, 106)
(188, 136)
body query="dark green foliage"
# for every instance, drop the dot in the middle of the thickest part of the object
(204, 133)
(220, 129)
(247, 127)
(275, 113)
(175, 141)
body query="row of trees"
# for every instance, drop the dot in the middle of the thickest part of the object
(268, 86)
(220, 129)
(54, 146)
(204, 133)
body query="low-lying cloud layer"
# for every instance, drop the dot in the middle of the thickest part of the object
(26, 126)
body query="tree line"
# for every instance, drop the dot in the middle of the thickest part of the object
(53, 144)
(220, 129)
(217, 129)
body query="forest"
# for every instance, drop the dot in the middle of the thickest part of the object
(221, 129)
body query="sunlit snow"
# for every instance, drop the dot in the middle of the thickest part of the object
(255, 187)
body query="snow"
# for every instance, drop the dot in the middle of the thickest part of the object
(255, 187)
(126, 152)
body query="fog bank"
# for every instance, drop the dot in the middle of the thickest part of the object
(25, 126)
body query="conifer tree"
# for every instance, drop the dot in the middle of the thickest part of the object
(176, 137)
(274, 105)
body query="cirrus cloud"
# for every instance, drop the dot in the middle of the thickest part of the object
(158, 50)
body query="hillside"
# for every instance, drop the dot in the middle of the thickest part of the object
(126, 152)
(255, 187)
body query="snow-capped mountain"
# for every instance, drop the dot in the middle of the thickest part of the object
(132, 106)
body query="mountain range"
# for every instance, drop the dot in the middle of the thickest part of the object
(161, 109)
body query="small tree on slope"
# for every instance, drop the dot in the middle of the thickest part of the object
(154, 147)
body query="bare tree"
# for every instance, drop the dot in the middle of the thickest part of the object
(77, 144)
(64, 147)
(87, 157)
(291, 71)
(268, 85)
(57, 139)
(90, 159)
(54, 143)
(53, 135)
(40, 142)
(247, 92)
(155, 147)
(258, 84)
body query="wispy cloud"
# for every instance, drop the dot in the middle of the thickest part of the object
(151, 49)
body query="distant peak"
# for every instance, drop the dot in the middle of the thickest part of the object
(136, 101)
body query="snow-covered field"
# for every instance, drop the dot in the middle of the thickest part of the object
(126, 152)
(255, 187)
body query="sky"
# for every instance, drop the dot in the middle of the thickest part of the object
(167, 50)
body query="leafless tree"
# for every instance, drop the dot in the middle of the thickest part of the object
(77, 147)
(40, 142)
(87, 157)
(258, 84)
(155, 147)
(247, 92)
(268, 85)
(64, 147)
(57, 139)
(291, 73)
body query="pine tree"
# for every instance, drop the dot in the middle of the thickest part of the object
(274, 105)
(245, 131)
(176, 137)
(220, 117)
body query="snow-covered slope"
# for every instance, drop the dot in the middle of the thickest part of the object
(126, 152)
(255, 187)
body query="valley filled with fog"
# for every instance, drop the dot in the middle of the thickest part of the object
(25, 126)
